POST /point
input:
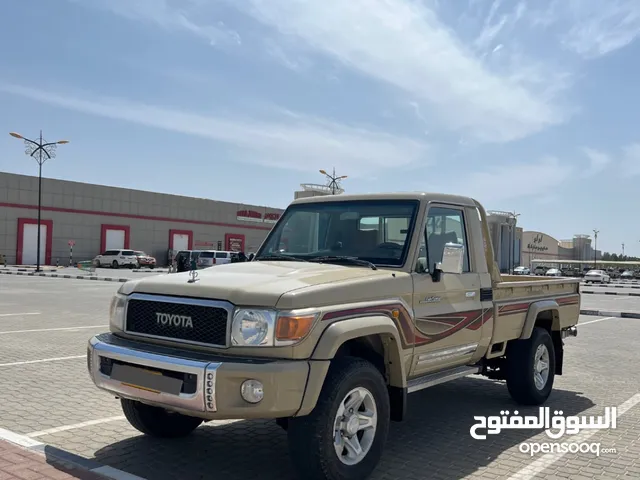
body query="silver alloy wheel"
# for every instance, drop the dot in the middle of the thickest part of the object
(541, 366)
(354, 428)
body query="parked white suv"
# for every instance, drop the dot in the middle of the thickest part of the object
(209, 258)
(117, 259)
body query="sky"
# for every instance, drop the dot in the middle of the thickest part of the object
(530, 107)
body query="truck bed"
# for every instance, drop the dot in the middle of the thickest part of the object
(514, 295)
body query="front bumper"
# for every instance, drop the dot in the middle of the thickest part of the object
(210, 385)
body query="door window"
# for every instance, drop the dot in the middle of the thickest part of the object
(444, 225)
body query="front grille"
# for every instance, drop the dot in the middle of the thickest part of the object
(208, 324)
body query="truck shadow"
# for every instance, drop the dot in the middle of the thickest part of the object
(434, 438)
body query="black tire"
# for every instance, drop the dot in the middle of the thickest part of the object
(520, 368)
(114, 264)
(311, 437)
(157, 422)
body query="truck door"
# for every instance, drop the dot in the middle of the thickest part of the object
(448, 313)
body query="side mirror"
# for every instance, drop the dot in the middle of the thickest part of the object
(452, 261)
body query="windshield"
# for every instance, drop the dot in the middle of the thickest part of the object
(378, 231)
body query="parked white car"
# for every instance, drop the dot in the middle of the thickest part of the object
(600, 276)
(553, 272)
(521, 271)
(117, 259)
(627, 275)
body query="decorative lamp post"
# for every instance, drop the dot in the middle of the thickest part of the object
(41, 151)
(333, 181)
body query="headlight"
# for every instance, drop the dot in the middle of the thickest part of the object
(116, 311)
(253, 328)
(270, 328)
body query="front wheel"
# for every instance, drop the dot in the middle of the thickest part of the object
(344, 436)
(158, 422)
(531, 368)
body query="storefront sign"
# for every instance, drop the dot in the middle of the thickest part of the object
(249, 216)
(234, 242)
(271, 217)
(536, 244)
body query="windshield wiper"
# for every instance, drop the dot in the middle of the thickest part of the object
(343, 258)
(275, 256)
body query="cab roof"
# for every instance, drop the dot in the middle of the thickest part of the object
(420, 196)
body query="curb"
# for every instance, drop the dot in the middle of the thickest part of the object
(606, 313)
(624, 285)
(628, 294)
(27, 270)
(65, 457)
(75, 277)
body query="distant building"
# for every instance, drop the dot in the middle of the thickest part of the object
(316, 190)
(542, 246)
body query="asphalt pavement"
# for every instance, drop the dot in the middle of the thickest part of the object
(48, 398)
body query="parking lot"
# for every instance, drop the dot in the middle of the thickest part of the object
(47, 395)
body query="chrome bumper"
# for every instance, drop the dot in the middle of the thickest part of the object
(106, 347)
(569, 332)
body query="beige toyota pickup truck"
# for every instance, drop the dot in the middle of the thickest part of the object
(352, 303)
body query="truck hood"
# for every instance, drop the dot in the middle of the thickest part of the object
(254, 283)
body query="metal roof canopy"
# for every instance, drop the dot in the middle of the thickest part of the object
(579, 262)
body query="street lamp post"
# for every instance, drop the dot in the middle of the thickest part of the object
(595, 248)
(333, 180)
(623, 250)
(41, 152)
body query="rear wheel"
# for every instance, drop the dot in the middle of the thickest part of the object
(531, 368)
(344, 436)
(158, 422)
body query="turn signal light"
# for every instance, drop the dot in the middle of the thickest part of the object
(293, 328)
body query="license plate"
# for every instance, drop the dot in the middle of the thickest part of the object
(144, 379)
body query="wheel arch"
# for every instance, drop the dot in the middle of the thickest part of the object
(374, 338)
(546, 314)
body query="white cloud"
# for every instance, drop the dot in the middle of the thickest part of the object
(598, 161)
(631, 159)
(172, 16)
(598, 28)
(404, 44)
(285, 140)
(501, 183)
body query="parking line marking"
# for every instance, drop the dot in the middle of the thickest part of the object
(596, 320)
(18, 314)
(548, 459)
(41, 361)
(52, 329)
(64, 428)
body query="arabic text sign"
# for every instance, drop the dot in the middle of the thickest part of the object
(555, 426)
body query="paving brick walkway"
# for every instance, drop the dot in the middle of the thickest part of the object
(18, 463)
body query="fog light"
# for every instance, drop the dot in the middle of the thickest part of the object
(252, 391)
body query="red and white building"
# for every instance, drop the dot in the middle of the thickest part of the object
(94, 218)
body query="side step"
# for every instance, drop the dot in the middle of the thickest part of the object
(432, 379)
